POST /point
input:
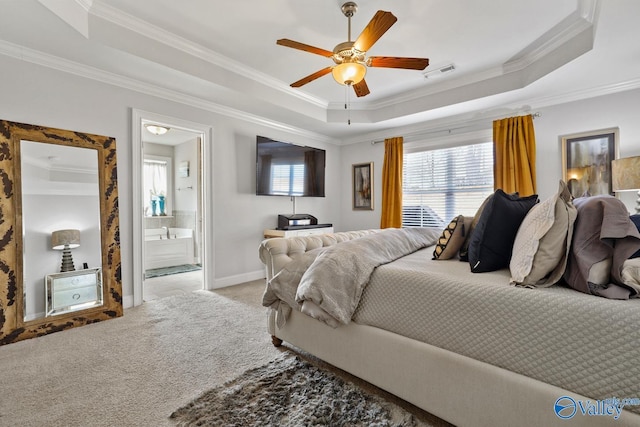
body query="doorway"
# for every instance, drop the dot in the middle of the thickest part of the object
(170, 201)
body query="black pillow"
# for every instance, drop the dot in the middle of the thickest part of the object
(492, 238)
(636, 220)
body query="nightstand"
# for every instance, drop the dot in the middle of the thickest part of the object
(73, 290)
(297, 232)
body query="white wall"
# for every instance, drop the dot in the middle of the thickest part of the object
(363, 152)
(186, 199)
(47, 97)
(616, 110)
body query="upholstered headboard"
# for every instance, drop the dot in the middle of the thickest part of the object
(277, 252)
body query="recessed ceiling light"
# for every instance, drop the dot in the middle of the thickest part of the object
(157, 129)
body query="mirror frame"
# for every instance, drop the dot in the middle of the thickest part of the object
(13, 327)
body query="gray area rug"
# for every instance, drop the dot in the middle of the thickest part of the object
(291, 392)
(167, 271)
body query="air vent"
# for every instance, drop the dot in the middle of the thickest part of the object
(439, 72)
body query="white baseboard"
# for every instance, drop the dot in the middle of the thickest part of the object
(127, 301)
(237, 279)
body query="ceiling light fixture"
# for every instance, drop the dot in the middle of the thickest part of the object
(351, 57)
(349, 73)
(157, 129)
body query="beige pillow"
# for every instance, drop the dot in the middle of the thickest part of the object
(630, 273)
(540, 250)
(452, 238)
(464, 250)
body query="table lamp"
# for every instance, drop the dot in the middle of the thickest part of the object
(65, 240)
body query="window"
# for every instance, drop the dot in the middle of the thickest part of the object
(156, 175)
(440, 184)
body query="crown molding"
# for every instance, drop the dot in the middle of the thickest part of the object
(144, 28)
(562, 34)
(71, 67)
(475, 121)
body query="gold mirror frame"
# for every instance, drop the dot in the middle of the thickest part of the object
(13, 327)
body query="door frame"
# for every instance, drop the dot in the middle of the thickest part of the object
(206, 133)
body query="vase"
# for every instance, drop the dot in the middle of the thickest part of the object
(161, 203)
(154, 207)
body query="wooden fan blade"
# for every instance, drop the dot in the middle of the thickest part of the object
(398, 62)
(305, 47)
(311, 77)
(361, 88)
(378, 25)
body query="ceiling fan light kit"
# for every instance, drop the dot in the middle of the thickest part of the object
(351, 58)
(349, 73)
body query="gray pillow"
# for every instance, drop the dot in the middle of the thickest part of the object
(542, 242)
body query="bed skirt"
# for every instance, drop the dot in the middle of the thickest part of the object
(461, 390)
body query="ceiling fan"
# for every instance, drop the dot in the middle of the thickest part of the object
(351, 56)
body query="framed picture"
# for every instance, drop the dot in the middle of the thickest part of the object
(586, 161)
(363, 186)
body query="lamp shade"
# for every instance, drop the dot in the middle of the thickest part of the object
(62, 238)
(349, 73)
(625, 174)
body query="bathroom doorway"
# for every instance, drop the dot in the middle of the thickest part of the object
(169, 245)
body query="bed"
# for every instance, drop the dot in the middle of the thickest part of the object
(469, 348)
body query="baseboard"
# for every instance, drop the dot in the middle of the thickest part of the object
(127, 301)
(237, 279)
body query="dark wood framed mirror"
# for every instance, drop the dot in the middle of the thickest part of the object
(58, 200)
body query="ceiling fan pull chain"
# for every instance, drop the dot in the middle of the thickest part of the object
(347, 103)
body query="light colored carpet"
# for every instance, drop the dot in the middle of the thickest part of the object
(136, 370)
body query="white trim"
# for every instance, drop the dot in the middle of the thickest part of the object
(206, 131)
(238, 278)
(106, 77)
(144, 28)
(127, 301)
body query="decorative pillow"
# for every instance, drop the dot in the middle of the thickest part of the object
(464, 250)
(636, 220)
(631, 273)
(540, 249)
(492, 238)
(452, 238)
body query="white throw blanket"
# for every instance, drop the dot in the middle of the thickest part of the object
(329, 281)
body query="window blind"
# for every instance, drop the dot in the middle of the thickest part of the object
(440, 184)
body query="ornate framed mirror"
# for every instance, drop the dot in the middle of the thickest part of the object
(58, 219)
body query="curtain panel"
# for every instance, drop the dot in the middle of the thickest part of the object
(515, 155)
(392, 184)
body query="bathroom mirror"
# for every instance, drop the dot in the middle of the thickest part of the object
(57, 183)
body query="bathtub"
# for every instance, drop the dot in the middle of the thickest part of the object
(162, 252)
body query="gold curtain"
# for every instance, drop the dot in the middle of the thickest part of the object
(392, 184)
(514, 167)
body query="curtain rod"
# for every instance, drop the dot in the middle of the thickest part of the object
(449, 130)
